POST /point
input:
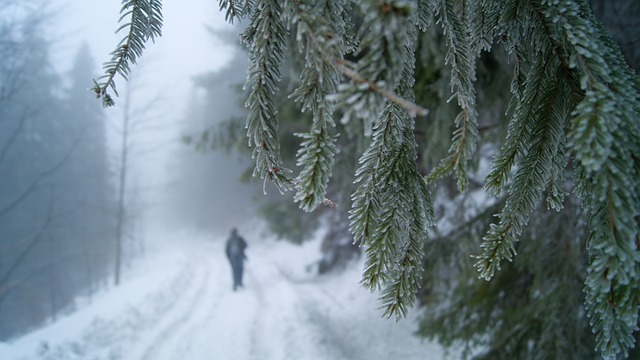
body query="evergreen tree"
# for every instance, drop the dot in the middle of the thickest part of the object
(28, 162)
(573, 117)
(207, 200)
(54, 190)
(88, 176)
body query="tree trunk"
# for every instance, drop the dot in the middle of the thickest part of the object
(121, 185)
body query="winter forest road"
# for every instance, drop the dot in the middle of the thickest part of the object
(179, 305)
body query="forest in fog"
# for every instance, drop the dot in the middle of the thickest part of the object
(433, 147)
(75, 191)
(58, 202)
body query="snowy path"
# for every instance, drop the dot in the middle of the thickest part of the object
(179, 305)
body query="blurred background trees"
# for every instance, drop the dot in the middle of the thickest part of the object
(56, 193)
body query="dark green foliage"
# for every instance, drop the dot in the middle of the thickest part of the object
(529, 310)
(318, 80)
(283, 224)
(462, 60)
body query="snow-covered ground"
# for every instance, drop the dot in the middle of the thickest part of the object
(177, 303)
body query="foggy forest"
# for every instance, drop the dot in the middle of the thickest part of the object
(322, 180)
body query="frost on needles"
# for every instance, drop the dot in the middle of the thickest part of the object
(573, 116)
(141, 21)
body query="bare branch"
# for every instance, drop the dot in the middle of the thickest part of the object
(4, 280)
(34, 184)
(343, 66)
(12, 139)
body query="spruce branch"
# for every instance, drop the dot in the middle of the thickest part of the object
(235, 9)
(346, 68)
(363, 215)
(265, 39)
(382, 249)
(393, 235)
(600, 96)
(603, 136)
(145, 23)
(319, 79)
(483, 24)
(612, 287)
(462, 60)
(316, 157)
(573, 96)
(385, 34)
(544, 147)
(555, 189)
(424, 11)
(399, 296)
(520, 124)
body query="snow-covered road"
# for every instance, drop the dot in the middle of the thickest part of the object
(178, 304)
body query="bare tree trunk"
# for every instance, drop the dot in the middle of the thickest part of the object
(5, 279)
(121, 185)
(52, 278)
(89, 263)
(41, 177)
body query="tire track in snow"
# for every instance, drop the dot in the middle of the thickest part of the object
(169, 328)
(221, 327)
(206, 313)
(334, 337)
(282, 320)
(258, 351)
(188, 311)
(111, 338)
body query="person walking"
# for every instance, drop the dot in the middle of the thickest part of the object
(235, 253)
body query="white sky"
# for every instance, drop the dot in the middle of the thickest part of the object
(185, 48)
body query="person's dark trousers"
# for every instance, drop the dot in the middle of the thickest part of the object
(237, 268)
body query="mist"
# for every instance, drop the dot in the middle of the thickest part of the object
(123, 172)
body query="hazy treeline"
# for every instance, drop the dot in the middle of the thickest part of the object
(213, 191)
(56, 196)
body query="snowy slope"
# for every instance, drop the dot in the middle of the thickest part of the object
(178, 304)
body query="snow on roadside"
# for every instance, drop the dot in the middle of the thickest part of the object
(178, 303)
(348, 316)
(113, 308)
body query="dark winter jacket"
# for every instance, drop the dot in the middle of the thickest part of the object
(235, 247)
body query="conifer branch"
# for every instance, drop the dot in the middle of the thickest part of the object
(235, 9)
(393, 236)
(462, 61)
(520, 124)
(319, 79)
(424, 11)
(606, 118)
(316, 156)
(533, 175)
(483, 24)
(363, 214)
(398, 297)
(145, 23)
(603, 117)
(346, 69)
(265, 38)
